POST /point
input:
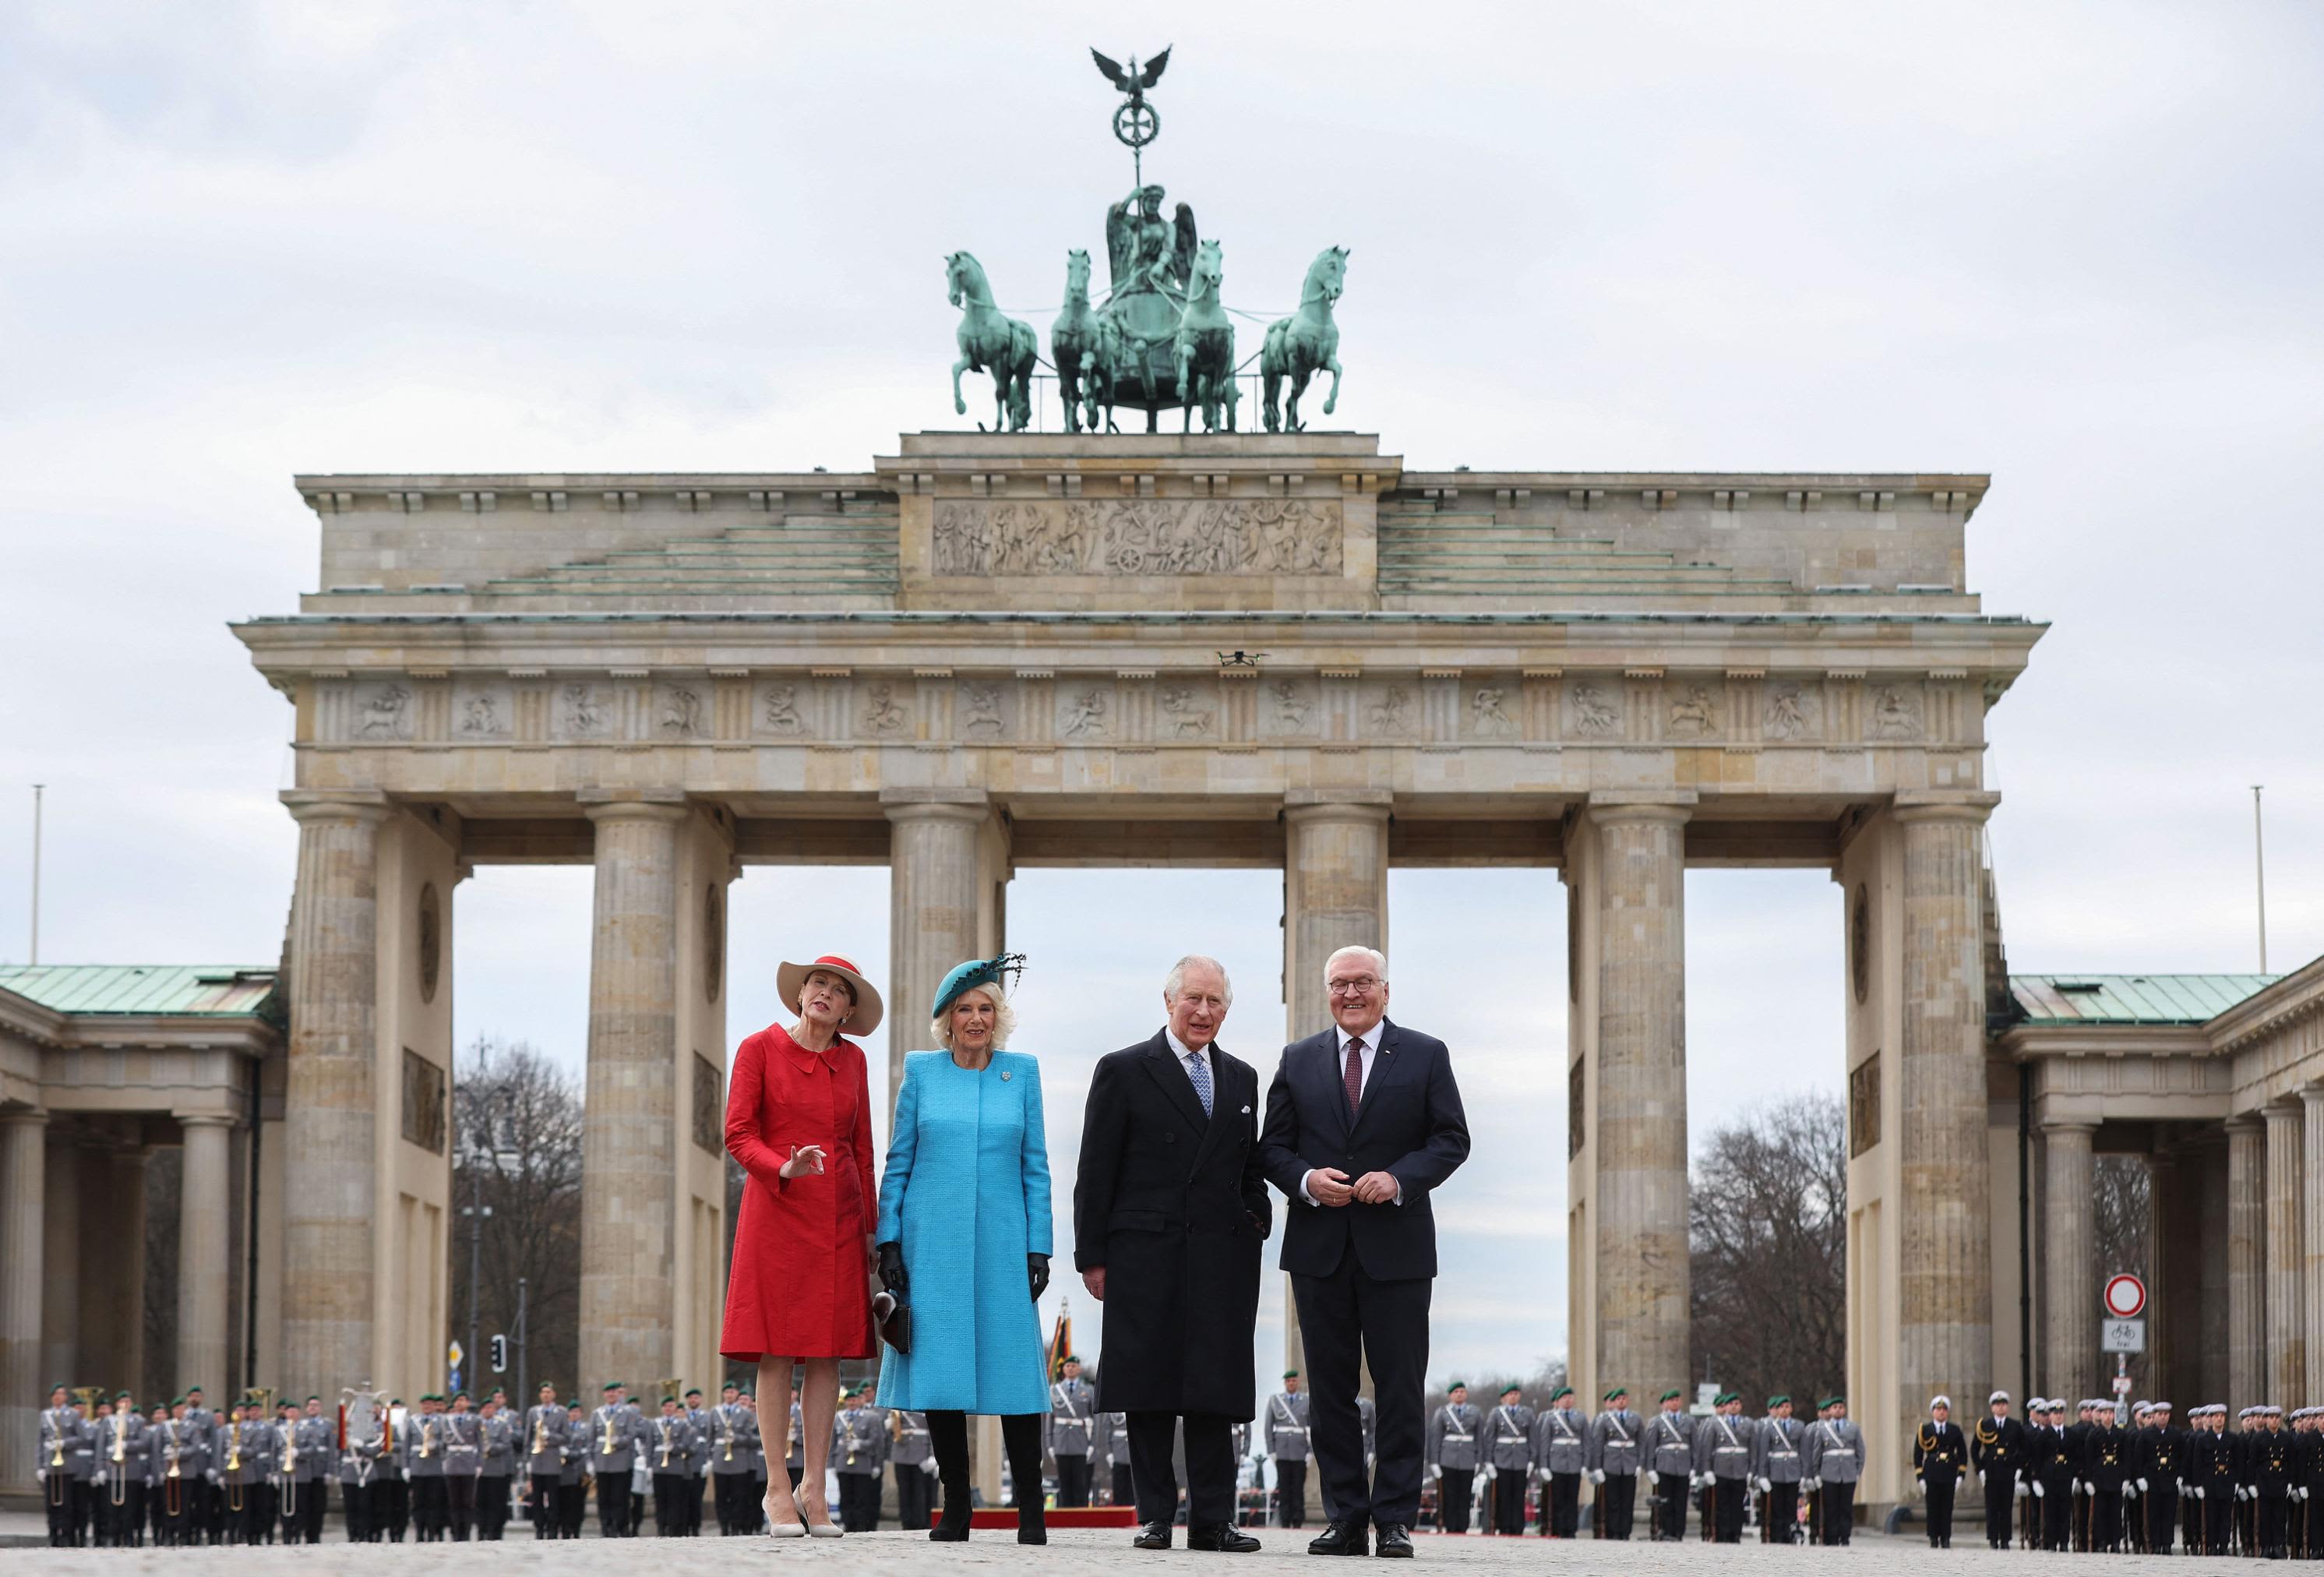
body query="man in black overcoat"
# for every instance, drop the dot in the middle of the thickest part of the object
(1363, 1122)
(1170, 1209)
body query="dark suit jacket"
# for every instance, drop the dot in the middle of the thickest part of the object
(1410, 1126)
(1174, 1208)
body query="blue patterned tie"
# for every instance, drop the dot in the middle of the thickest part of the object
(1199, 1071)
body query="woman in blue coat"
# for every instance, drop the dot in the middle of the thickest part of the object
(964, 1231)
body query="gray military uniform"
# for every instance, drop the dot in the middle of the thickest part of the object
(1723, 1446)
(1453, 1437)
(1561, 1441)
(1285, 1419)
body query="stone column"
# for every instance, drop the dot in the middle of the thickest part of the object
(330, 1164)
(2248, 1367)
(204, 1203)
(61, 1321)
(2069, 1298)
(2286, 1374)
(127, 1225)
(23, 1175)
(1334, 891)
(1945, 1241)
(629, 1164)
(2311, 1225)
(2164, 1188)
(935, 908)
(1641, 1137)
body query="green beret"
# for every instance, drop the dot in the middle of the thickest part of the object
(1561, 1392)
(1290, 1374)
(1833, 1402)
(1777, 1400)
(694, 1390)
(117, 1395)
(1071, 1358)
(177, 1401)
(1513, 1390)
(1617, 1391)
(1668, 1396)
(613, 1385)
(1455, 1386)
(1727, 1396)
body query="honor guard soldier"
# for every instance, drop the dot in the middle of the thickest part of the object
(544, 1462)
(697, 1459)
(2105, 1469)
(1117, 1452)
(392, 1489)
(162, 1445)
(188, 1451)
(912, 1453)
(496, 1440)
(1832, 1464)
(2157, 1465)
(668, 1444)
(359, 1494)
(2049, 1475)
(1614, 1460)
(573, 1482)
(1724, 1447)
(287, 1473)
(120, 1468)
(859, 1450)
(612, 1453)
(67, 1453)
(242, 1476)
(795, 1447)
(1561, 1451)
(1289, 1445)
(201, 1429)
(733, 1456)
(318, 1461)
(463, 1458)
(1072, 1406)
(1368, 1421)
(1940, 1459)
(425, 1436)
(1776, 1460)
(1509, 1458)
(1451, 1457)
(1669, 1449)
(1999, 1453)
(2134, 1509)
(2272, 1466)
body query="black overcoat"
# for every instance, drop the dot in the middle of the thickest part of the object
(1173, 1207)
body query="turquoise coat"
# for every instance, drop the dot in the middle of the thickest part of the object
(967, 1192)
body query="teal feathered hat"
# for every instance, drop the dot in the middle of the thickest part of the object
(967, 977)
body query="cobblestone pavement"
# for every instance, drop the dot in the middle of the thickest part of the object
(1068, 1552)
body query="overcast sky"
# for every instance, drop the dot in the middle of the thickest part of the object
(2076, 247)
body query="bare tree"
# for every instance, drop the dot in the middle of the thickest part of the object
(516, 1123)
(1769, 1217)
(2123, 1226)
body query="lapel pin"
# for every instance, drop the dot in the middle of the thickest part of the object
(1004, 1075)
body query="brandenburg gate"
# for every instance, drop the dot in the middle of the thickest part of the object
(990, 652)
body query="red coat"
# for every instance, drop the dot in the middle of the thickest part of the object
(800, 1286)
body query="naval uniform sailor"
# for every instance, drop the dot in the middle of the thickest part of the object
(1290, 1444)
(2158, 1464)
(1509, 1458)
(1451, 1457)
(1941, 1458)
(1561, 1451)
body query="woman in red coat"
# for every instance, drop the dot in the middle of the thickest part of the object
(798, 1118)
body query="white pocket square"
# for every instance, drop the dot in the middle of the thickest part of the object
(1246, 1111)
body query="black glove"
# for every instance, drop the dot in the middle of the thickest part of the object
(892, 1268)
(1036, 1268)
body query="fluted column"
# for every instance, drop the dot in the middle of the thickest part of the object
(330, 1207)
(61, 1320)
(1641, 1137)
(1944, 1240)
(2248, 1368)
(935, 908)
(23, 1177)
(2069, 1295)
(2311, 1226)
(2286, 1374)
(203, 1203)
(2164, 1188)
(629, 1162)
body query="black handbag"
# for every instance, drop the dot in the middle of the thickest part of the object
(893, 1315)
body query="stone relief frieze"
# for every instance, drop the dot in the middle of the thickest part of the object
(1489, 713)
(584, 710)
(1895, 714)
(1391, 711)
(1085, 713)
(682, 710)
(483, 713)
(1785, 712)
(383, 711)
(1140, 536)
(1693, 713)
(1290, 706)
(980, 711)
(1597, 710)
(782, 711)
(885, 715)
(1187, 713)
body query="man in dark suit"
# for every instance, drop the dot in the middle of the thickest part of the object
(1170, 1209)
(1363, 1122)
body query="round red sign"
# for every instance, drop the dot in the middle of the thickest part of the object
(2124, 1296)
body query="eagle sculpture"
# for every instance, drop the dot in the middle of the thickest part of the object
(1132, 81)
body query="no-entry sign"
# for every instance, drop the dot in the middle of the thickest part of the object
(2124, 1296)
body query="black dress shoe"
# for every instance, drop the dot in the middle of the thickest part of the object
(1340, 1538)
(1223, 1537)
(1394, 1541)
(1154, 1536)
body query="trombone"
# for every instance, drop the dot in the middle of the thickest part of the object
(120, 1454)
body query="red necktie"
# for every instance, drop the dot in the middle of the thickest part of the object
(1355, 1075)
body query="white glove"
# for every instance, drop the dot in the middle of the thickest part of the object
(1436, 1470)
(1766, 1487)
(2242, 1493)
(2142, 1486)
(1597, 1475)
(1652, 1477)
(2130, 1491)
(40, 1475)
(2024, 1489)
(1813, 1484)
(1980, 1478)
(929, 1467)
(2038, 1489)
(1491, 1472)
(2077, 1487)
(2196, 1490)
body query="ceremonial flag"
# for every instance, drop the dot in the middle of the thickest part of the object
(1061, 1343)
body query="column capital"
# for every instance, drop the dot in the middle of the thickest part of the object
(601, 804)
(1961, 805)
(2286, 1108)
(2313, 1093)
(205, 1119)
(1360, 804)
(2244, 1122)
(2057, 1125)
(936, 803)
(25, 1117)
(307, 804)
(1659, 805)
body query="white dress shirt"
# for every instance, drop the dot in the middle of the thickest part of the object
(1183, 1053)
(1370, 1043)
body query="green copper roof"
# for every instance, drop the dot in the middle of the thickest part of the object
(186, 990)
(2131, 999)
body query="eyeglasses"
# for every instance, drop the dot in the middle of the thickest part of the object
(1360, 986)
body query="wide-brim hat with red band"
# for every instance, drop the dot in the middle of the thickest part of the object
(865, 1020)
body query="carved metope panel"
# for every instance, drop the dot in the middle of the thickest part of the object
(424, 1117)
(1139, 536)
(1864, 1106)
(709, 1108)
(484, 711)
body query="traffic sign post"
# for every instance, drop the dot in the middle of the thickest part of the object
(2124, 1297)
(2123, 1336)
